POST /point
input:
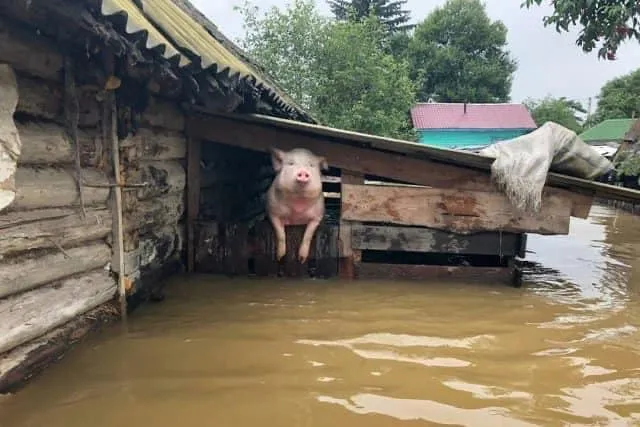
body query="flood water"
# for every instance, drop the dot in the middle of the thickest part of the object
(564, 350)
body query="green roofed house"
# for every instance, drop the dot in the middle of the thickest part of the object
(607, 135)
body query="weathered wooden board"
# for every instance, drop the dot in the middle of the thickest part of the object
(348, 256)
(43, 99)
(49, 188)
(261, 138)
(27, 52)
(29, 315)
(20, 276)
(155, 144)
(457, 211)
(46, 143)
(413, 239)
(152, 213)
(193, 198)
(160, 245)
(163, 114)
(162, 177)
(375, 271)
(64, 231)
(24, 362)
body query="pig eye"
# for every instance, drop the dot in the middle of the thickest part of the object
(290, 163)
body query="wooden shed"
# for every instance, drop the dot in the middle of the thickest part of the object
(133, 144)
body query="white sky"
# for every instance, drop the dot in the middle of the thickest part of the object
(548, 62)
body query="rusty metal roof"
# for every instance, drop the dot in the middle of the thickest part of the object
(180, 36)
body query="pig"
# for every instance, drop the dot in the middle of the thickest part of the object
(295, 196)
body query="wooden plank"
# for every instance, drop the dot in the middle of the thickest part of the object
(70, 230)
(360, 160)
(412, 239)
(348, 256)
(51, 188)
(161, 176)
(46, 143)
(461, 212)
(155, 144)
(374, 271)
(193, 198)
(32, 314)
(23, 363)
(30, 273)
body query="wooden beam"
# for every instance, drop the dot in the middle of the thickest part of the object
(348, 256)
(338, 154)
(373, 271)
(461, 212)
(413, 239)
(193, 197)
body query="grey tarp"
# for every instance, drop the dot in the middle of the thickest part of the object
(522, 163)
(9, 140)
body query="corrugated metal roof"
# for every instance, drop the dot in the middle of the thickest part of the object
(179, 35)
(608, 130)
(477, 116)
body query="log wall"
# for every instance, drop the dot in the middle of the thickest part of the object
(58, 258)
(55, 246)
(153, 162)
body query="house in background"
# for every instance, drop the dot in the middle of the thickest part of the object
(607, 136)
(469, 126)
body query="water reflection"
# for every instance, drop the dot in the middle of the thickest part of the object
(561, 351)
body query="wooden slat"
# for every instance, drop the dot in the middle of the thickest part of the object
(412, 239)
(193, 197)
(457, 211)
(374, 271)
(348, 256)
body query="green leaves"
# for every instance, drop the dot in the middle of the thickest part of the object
(608, 22)
(619, 98)
(343, 72)
(560, 110)
(457, 54)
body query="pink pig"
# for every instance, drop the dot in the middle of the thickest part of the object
(295, 196)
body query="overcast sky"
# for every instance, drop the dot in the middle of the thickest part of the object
(548, 62)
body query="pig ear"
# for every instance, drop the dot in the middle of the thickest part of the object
(277, 156)
(323, 163)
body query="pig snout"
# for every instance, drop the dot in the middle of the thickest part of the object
(303, 177)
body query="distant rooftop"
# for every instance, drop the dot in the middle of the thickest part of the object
(436, 115)
(608, 130)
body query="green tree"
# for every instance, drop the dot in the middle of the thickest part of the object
(341, 71)
(458, 54)
(390, 12)
(286, 43)
(565, 112)
(609, 22)
(364, 88)
(619, 98)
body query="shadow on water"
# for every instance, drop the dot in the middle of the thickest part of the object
(562, 350)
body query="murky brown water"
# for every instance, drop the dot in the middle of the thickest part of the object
(563, 350)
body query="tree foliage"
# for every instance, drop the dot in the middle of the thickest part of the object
(364, 88)
(565, 112)
(286, 43)
(609, 22)
(341, 71)
(458, 54)
(619, 98)
(391, 13)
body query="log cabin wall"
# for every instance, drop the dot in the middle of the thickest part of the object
(153, 160)
(55, 240)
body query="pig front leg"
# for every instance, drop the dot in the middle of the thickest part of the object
(311, 228)
(281, 237)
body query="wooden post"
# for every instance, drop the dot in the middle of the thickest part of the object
(348, 256)
(193, 197)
